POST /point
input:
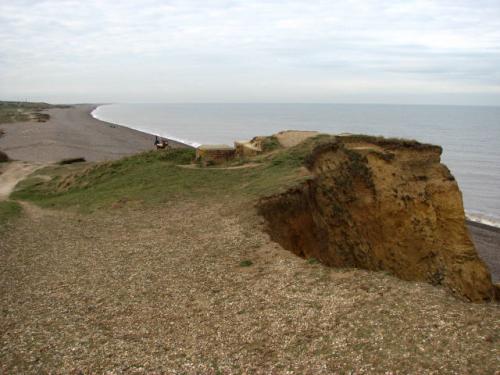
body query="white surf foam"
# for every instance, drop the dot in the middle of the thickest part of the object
(483, 219)
(95, 115)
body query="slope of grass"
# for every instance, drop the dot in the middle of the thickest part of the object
(158, 176)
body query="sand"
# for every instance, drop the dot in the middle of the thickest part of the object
(72, 132)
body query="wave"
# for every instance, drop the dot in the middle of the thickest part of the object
(95, 115)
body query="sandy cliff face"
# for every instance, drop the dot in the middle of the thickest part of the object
(381, 204)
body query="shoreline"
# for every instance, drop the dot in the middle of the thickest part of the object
(482, 225)
(169, 138)
(177, 143)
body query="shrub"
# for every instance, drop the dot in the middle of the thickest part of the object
(3, 157)
(246, 263)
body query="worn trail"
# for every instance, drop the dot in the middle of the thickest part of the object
(12, 173)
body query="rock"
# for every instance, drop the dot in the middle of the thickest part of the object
(381, 204)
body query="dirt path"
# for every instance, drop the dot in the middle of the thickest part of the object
(12, 173)
(243, 166)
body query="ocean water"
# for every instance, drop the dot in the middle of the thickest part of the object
(470, 136)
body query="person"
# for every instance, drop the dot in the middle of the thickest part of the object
(161, 143)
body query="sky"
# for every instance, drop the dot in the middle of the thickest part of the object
(353, 51)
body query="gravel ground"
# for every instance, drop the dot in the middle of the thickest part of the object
(487, 241)
(70, 133)
(140, 291)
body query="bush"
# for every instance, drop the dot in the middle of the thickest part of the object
(246, 263)
(3, 157)
(71, 161)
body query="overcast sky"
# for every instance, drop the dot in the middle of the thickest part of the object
(375, 51)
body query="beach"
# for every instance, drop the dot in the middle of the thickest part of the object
(70, 133)
(487, 241)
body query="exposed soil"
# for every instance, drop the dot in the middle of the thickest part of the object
(242, 166)
(383, 205)
(290, 138)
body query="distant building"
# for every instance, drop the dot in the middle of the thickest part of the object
(214, 154)
(246, 149)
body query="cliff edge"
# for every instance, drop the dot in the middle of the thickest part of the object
(381, 204)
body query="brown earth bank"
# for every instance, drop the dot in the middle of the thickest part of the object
(381, 204)
(72, 132)
(132, 291)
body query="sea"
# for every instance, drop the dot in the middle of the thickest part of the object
(469, 135)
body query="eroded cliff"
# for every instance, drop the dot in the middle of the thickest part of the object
(381, 204)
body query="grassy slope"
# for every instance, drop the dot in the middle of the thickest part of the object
(156, 177)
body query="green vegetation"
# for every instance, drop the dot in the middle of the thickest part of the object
(23, 111)
(8, 211)
(3, 157)
(71, 161)
(312, 261)
(160, 176)
(246, 263)
(157, 177)
(270, 143)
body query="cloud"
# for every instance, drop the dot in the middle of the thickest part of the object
(225, 50)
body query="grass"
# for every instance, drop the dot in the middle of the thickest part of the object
(270, 143)
(312, 261)
(9, 210)
(156, 177)
(71, 161)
